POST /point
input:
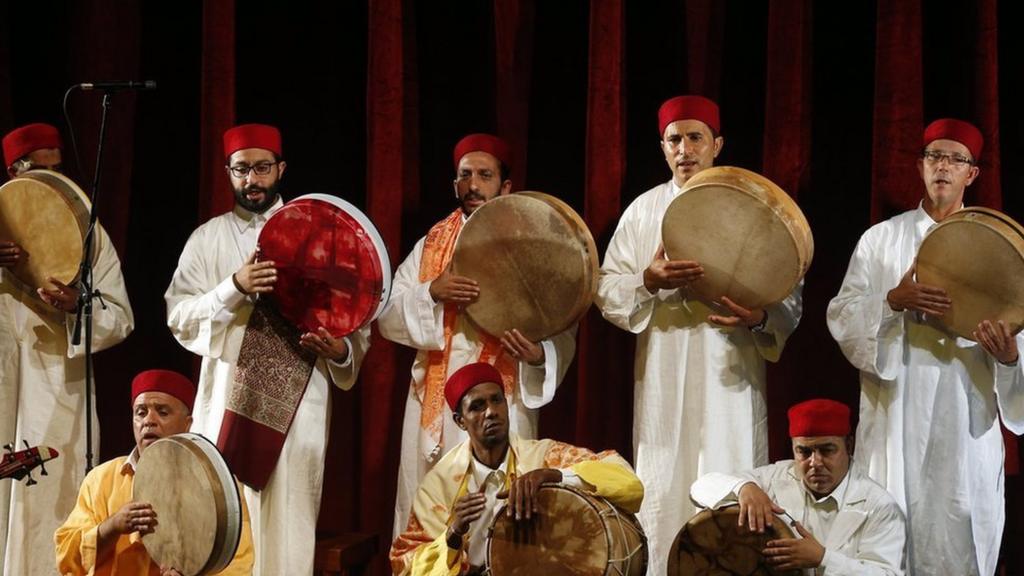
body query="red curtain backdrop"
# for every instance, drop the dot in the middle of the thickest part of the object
(828, 100)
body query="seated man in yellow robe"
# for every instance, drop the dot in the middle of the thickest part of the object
(103, 534)
(459, 497)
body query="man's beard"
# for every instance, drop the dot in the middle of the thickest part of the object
(269, 197)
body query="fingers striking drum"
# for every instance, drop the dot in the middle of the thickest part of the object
(751, 238)
(196, 500)
(712, 542)
(980, 287)
(332, 266)
(535, 261)
(572, 533)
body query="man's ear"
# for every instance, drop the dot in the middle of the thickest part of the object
(459, 420)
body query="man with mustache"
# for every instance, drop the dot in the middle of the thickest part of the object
(930, 403)
(458, 499)
(699, 397)
(42, 375)
(847, 524)
(210, 302)
(424, 312)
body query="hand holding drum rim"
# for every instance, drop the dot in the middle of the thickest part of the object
(324, 345)
(665, 274)
(62, 297)
(452, 288)
(997, 340)
(756, 508)
(255, 277)
(795, 553)
(520, 348)
(132, 517)
(522, 495)
(11, 254)
(912, 295)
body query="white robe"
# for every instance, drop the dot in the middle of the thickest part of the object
(413, 319)
(42, 400)
(929, 406)
(699, 390)
(208, 316)
(864, 534)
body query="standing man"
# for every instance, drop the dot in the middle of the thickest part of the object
(930, 402)
(699, 396)
(276, 447)
(424, 312)
(42, 376)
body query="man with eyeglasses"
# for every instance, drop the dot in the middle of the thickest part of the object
(699, 372)
(42, 376)
(210, 302)
(930, 402)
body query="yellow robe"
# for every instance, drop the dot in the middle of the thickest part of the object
(421, 550)
(105, 490)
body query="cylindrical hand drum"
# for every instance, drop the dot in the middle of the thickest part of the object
(196, 501)
(575, 533)
(751, 238)
(47, 214)
(977, 256)
(535, 261)
(332, 266)
(712, 543)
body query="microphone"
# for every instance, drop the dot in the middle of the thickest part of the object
(116, 86)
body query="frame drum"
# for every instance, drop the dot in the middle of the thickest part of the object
(751, 238)
(197, 504)
(575, 533)
(712, 543)
(47, 214)
(535, 261)
(976, 255)
(332, 266)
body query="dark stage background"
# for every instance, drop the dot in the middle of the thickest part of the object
(826, 98)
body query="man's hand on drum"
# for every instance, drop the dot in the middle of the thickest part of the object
(169, 572)
(756, 508)
(522, 349)
(255, 277)
(740, 316)
(911, 295)
(132, 517)
(665, 274)
(61, 296)
(997, 340)
(323, 344)
(11, 254)
(455, 289)
(795, 553)
(522, 495)
(468, 509)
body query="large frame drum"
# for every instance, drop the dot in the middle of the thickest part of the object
(977, 256)
(197, 503)
(712, 542)
(751, 238)
(575, 533)
(332, 266)
(47, 214)
(535, 261)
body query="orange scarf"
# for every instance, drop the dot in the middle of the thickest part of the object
(438, 249)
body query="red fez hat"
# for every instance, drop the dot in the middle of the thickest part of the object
(23, 141)
(252, 136)
(483, 143)
(819, 417)
(958, 130)
(167, 382)
(466, 378)
(688, 108)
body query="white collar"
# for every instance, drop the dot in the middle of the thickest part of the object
(838, 494)
(131, 463)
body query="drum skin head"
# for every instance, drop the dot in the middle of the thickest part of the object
(47, 214)
(976, 255)
(535, 261)
(712, 543)
(332, 268)
(751, 238)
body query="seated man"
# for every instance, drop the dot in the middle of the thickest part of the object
(103, 533)
(847, 523)
(459, 497)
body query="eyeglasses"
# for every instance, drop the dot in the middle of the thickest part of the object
(260, 169)
(954, 159)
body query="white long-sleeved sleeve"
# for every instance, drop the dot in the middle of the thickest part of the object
(537, 384)
(783, 319)
(1009, 386)
(411, 317)
(112, 319)
(621, 295)
(344, 374)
